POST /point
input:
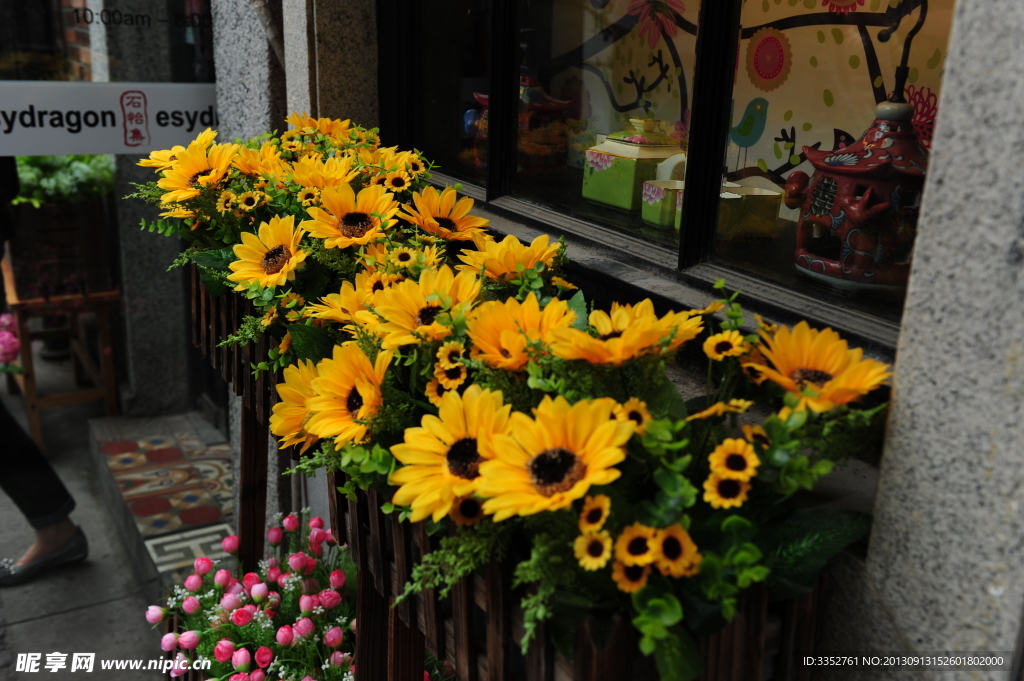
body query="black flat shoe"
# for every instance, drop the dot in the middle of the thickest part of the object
(74, 550)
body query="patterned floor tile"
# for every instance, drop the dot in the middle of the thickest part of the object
(136, 482)
(157, 514)
(216, 476)
(180, 550)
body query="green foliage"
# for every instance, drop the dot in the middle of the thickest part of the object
(548, 568)
(311, 342)
(458, 556)
(63, 179)
(579, 306)
(249, 331)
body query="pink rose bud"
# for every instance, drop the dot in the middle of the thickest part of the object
(318, 523)
(337, 579)
(179, 666)
(155, 614)
(251, 579)
(291, 523)
(241, 676)
(193, 582)
(306, 604)
(230, 602)
(329, 538)
(308, 678)
(426, 675)
(191, 605)
(264, 656)
(251, 608)
(333, 637)
(285, 636)
(273, 574)
(235, 588)
(330, 599)
(240, 660)
(169, 642)
(269, 613)
(273, 599)
(241, 617)
(224, 650)
(258, 675)
(317, 549)
(222, 578)
(274, 536)
(316, 536)
(337, 658)
(229, 544)
(272, 562)
(203, 565)
(297, 561)
(353, 625)
(310, 565)
(259, 592)
(304, 628)
(188, 640)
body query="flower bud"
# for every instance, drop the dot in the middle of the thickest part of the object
(291, 523)
(333, 637)
(203, 565)
(191, 605)
(155, 614)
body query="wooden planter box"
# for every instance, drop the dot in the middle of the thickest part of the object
(479, 627)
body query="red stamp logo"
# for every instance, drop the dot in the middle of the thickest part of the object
(136, 118)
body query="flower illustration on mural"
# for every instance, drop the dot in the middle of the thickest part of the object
(599, 161)
(926, 108)
(656, 17)
(652, 193)
(769, 59)
(842, 6)
(682, 127)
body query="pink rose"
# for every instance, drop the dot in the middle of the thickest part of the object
(7, 322)
(316, 536)
(230, 602)
(251, 579)
(169, 642)
(253, 609)
(229, 544)
(273, 574)
(10, 346)
(310, 565)
(203, 565)
(240, 660)
(337, 658)
(273, 599)
(272, 562)
(426, 675)
(264, 656)
(180, 662)
(191, 605)
(241, 676)
(155, 614)
(258, 675)
(304, 628)
(269, 613)
(241, 617)
(329, 538)
(193, 582)
(333, 637)
(317, 523)
(285, 636)
(223, 650)
(259, 592)
(235, 588)
(297, 561)
(306, 604)
(291, 523)
(274, 536)
(330, 599)
(188, 640)
(337, 579)
(317, 549)
(222, 578)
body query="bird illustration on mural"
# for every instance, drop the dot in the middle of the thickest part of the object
(750, 128)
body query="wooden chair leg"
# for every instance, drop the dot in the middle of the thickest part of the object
(107, 358)
(252, 514)
(29, 379)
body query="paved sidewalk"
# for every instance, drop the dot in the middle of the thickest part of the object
(95, 607)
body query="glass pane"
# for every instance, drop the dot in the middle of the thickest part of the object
(813, 200)
(604, 110)
(451, 86)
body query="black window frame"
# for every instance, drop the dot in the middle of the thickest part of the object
(718, 35)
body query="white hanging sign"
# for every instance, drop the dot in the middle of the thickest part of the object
(62, 117)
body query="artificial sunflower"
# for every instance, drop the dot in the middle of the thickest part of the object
(549, 461)
(756, 435)
(290, 416)
(163, 159)
(442, 458)
(634, 410)
(450, 354)
(593, 549)
(269, 257)
(501, 331)
(195, 169)
(403, 256)
(410, 309)
(819, 367)
(257, 162)
(451, 377)
(309, 196)
(595, 513)
(348, 394)
(733, 406)
(734, 458)
(765, 325)
(467, 511)
(435, 392)
(225, 202)
(636, 545)
(726, 344)
(750, 363)
(725, 492)
(438, 213)
(397, 181)
(630, 578)
(380, 180)
(344, 218)
(563, 284)
(270, 316)
(505, 260)
(286, 343)
(678, 554)
(342, 307)
(250, 200)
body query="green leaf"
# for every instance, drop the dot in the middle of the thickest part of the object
(311, 342)
(579, 305)
(217, 259)
(677, 656)
(214, 283)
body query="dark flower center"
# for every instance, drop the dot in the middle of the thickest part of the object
(404, 257)
(556, 470)
(355, 225)
(463, 459)
(506, 354)
(609, 336)
(637, 546)
(383, 181)
(595, 549)
(634, 573)
(445, 223)
(194, 180)
(761, 439)
(723, 346)
(454, 356)
(426, 315)
(275, 259)
(671, 548)
(813, 376)
(753, 372)
(594, 515)
(637, 417)
(453, 373)
(397, 182)
(414, 167)
(470, 508)
(736, 462)
(249, 201)
(377, 286)
(354, 402)
(729, 489)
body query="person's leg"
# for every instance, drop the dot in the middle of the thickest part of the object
(29, 480)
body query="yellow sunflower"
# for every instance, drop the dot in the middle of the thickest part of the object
(416, 165)
(225, 202)
(255, 162)
(397, 181)
(289, 419)
(250, 200)
(504, 260)
(750, 363)
(348, 394)
(163, 159)
(636, 545)
(501, 331)
(765, 325)
(442, 458)
(342, 307)
(593, 549)
(819, 367)
(734, 458)
(451, 377)
(434, 392)
(678, 553)
(450, 354)
(403, 256)
(270, 316)
(344, 219)
(309, 196)
(549, 461)
(286, 343)
(725, 344)
(725, 492)
(410, 309)
(195, 169)
(634, 410)
(438, 213)
(563, 284)
(467, 511)
(595, 512)
(630, 578)
(712, 308)
(317, 172)
(756, 435)
(733, 406)
(270, 257)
